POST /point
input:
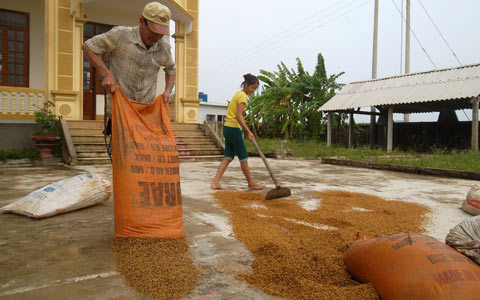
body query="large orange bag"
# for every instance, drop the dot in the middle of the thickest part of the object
(413, 266)
(146, 177)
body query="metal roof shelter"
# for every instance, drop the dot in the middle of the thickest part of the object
(431, 91)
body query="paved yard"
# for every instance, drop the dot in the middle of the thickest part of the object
(69, 256)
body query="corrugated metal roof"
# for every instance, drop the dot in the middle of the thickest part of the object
(438, 85)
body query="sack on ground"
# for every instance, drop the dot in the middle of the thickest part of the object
(63, 196)
(465, 238)
(146, 177)
(472, 203)
(413, 266)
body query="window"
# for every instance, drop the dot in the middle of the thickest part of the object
(210, 118)
(90, 30)
(221, 118)
(14, 48)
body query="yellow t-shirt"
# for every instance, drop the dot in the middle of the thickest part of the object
(239, 97)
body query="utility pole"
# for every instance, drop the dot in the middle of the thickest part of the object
(375, 42)
(373, 129)
(406, 117)
(407, 40)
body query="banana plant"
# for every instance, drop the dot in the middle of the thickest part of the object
(288, 104)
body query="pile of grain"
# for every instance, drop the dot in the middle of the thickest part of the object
(155, 267)
(296, 261)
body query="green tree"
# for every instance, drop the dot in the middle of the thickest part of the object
(288, 103)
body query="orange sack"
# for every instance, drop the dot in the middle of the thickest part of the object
(413, 266)
(146, 177)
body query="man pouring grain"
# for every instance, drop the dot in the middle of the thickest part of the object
(137, 54)
(145, 169)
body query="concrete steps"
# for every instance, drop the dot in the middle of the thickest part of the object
(200, 151)
(91, 146)
(193, 144)
(191, 158)
(94, 161)
(187, 139)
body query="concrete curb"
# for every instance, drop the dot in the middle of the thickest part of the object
(406, 169)
(25, 162)
(22, 162)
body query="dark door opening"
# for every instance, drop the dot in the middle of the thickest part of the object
(92, 80)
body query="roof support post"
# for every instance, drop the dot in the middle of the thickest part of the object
(475, 123)
(373, 128)
(329, 129)
(350, 130)
(390, 129)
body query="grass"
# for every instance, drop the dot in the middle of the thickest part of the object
(31, 154)
(465, 160)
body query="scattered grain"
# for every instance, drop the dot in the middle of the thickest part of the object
(294, 260)
(156, 267)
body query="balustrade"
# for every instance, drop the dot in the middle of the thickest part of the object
(21, 101)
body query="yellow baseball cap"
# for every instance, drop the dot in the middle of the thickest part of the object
(159, 17)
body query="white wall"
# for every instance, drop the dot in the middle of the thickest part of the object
(210, 109)
(36, 12)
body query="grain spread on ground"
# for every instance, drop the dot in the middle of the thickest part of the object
(156, 267)
(298, 254)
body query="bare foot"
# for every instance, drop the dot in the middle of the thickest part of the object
(256, 186)
(216, 186)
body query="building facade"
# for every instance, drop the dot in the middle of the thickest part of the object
(42, 60)
(211, 112)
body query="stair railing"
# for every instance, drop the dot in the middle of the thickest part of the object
(209, 130)
(69, 153)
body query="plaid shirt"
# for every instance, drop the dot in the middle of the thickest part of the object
(134, 66)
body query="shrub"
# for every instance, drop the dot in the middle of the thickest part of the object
(32, 154)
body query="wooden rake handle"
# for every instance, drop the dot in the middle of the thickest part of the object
(266, 164)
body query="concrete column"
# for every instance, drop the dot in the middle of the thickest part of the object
(475, 124)
(78, 61)
(406, 117)
(350, 130)
(191, 101)
(374, 73)
(390, 129)
(62, 60)
(329, 129)
(179, 37)
(375, 43)
(50, 42)
(186, 59)
(50, 47)
(407, 40)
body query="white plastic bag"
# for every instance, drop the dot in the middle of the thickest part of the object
(63, 196)
(472, 203)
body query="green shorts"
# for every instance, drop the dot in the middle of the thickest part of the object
(234, 144)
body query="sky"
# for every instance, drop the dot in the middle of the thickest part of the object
(239, 37)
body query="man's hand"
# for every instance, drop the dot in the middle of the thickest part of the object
(108, 80)
(251, 137)
(109, 83)
(166, 98)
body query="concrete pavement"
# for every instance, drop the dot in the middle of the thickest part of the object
(69, 256)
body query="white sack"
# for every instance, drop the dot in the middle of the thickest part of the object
(63, 196)
(465, 238)
(472, 203)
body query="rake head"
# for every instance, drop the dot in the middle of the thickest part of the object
(278, 192)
